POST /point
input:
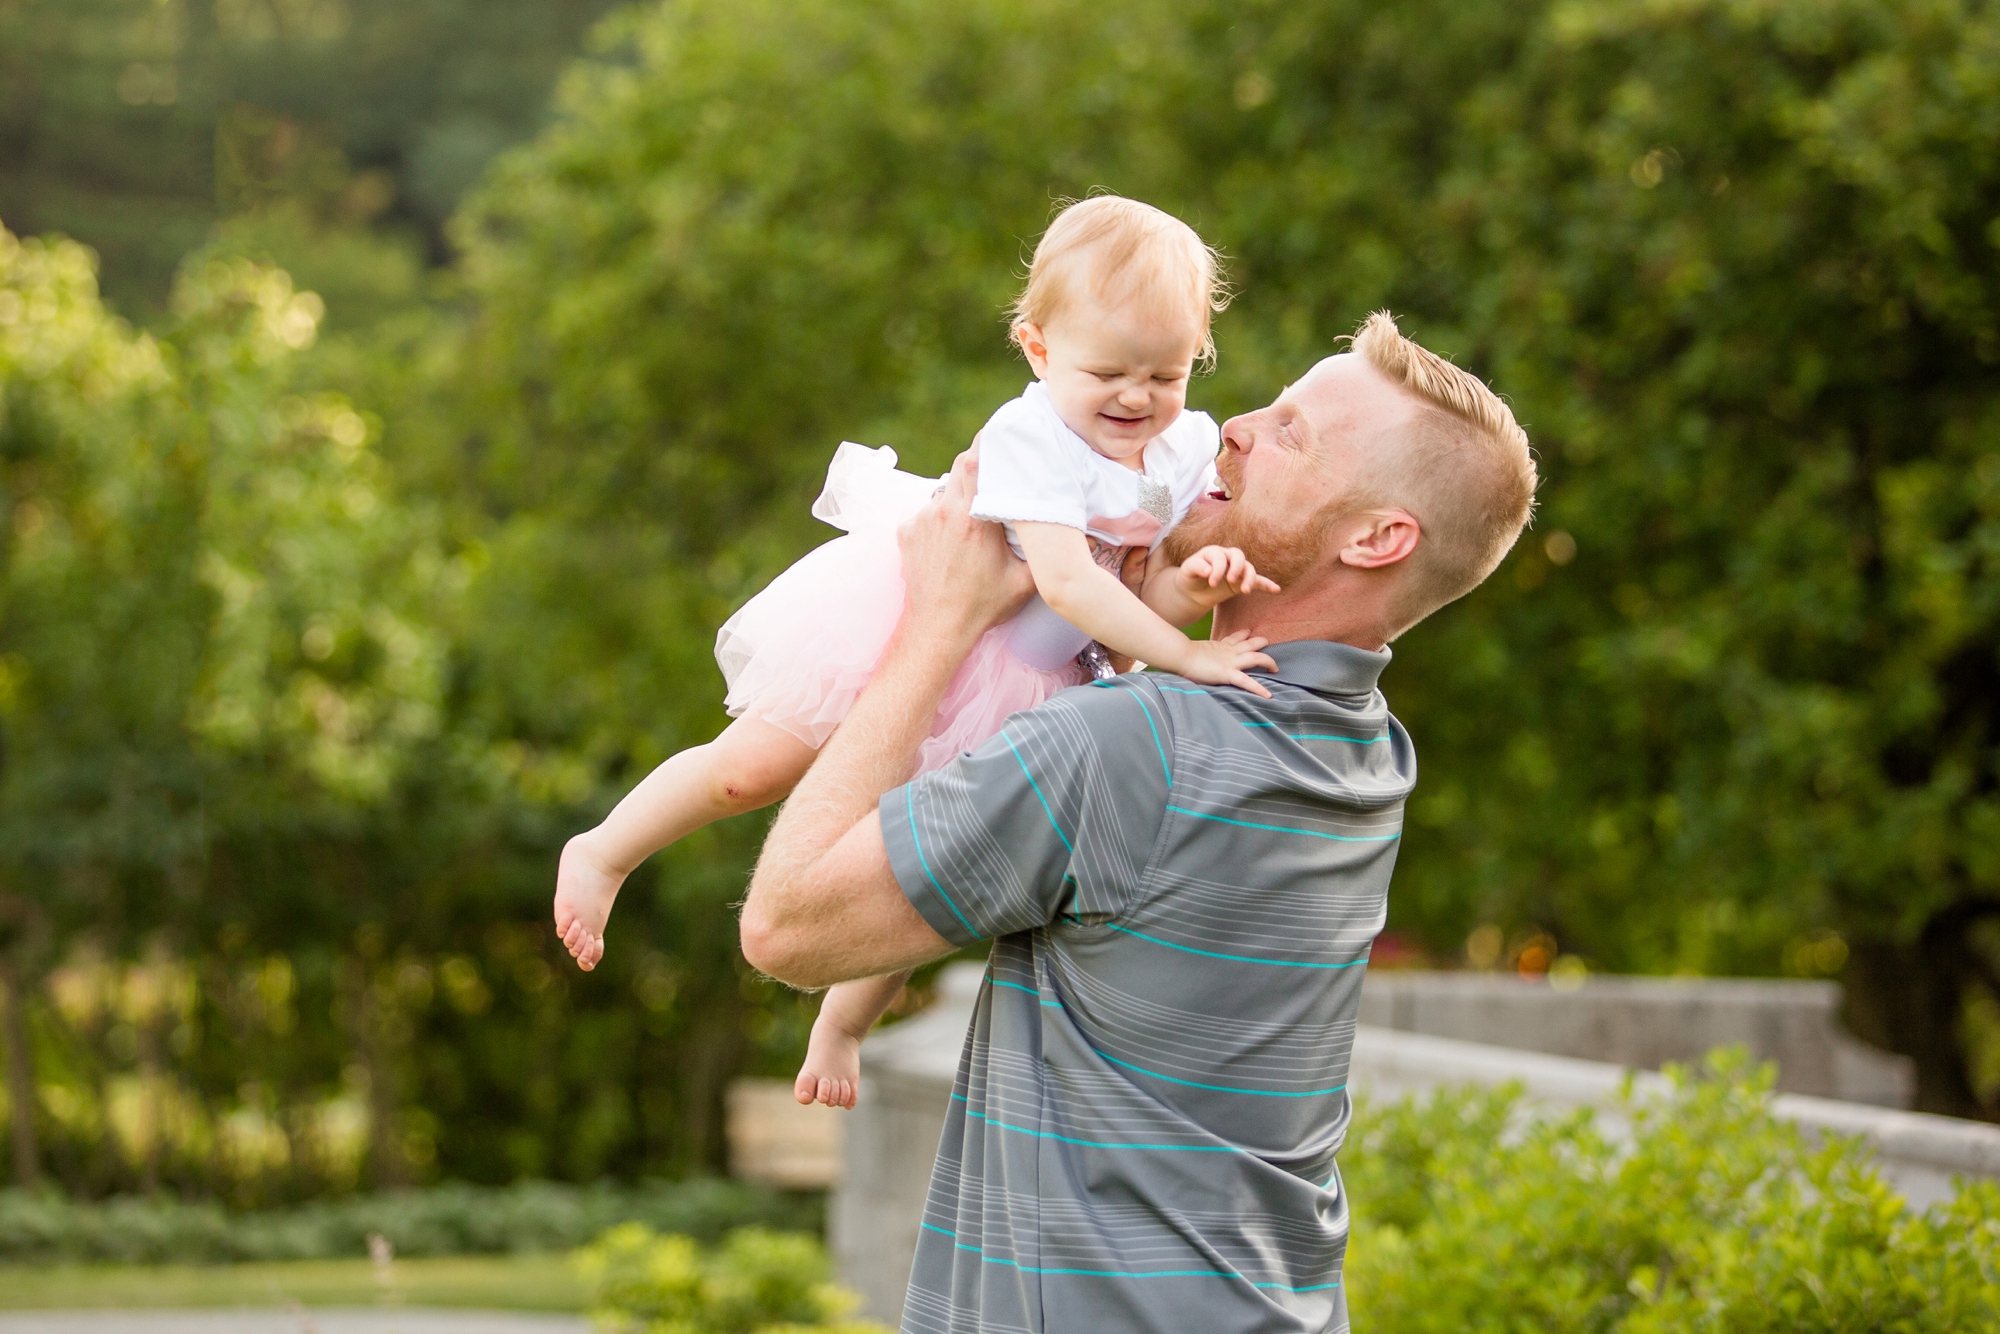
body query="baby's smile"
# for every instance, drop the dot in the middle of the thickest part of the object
(1116, 376)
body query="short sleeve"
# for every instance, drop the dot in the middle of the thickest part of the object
(1056, 816)
(1027, 472)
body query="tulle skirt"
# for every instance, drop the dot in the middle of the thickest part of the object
(799, 653)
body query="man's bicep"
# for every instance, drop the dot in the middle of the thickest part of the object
(884, 931)
(874, 929)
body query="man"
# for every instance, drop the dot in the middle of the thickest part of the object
(1180, 883)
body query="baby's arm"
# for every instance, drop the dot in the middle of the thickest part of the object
(1093, 600)
(1183, 594)
(832, 1072)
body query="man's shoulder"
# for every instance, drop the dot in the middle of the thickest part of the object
(1119, 718)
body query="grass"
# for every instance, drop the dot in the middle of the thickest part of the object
(494, 1282)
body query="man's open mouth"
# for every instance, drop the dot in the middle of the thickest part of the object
(1222, 491)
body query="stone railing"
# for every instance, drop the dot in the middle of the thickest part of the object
(908, 1069)
(1645, 1022)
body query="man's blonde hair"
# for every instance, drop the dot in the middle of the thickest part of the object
(1463, 468)
(1118, 251)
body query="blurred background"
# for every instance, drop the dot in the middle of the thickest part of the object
(395, 396)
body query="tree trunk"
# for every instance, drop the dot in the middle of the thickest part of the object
(387, 1166)
(20, 1077)
(1910, 998)
(150, 1098)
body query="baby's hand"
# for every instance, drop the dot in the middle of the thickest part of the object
(584, 893)
(832, 1072)
(1213, 575)
(1223, 662)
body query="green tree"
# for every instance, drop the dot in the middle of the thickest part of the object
(1733, 263)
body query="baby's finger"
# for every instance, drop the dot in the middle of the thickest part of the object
(1258, 583)
(1249, 683)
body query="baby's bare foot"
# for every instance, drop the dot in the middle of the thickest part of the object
(585, 891)
(832, 1072)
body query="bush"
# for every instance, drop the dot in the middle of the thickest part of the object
(1713, 1215)
(756, 1282)
(445, 1220)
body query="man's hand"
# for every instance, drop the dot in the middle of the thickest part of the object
(1213, 575)
(959, 575)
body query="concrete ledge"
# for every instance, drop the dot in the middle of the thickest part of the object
(1645, 1022)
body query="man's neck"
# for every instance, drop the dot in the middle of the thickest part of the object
(1342, 610)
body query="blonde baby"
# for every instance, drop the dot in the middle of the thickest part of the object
(1094, 463)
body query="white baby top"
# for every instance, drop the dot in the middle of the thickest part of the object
(1034, 469)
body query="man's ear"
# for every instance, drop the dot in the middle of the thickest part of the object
(1380, 539)
(1034, 347)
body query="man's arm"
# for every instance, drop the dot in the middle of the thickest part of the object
(824, 906)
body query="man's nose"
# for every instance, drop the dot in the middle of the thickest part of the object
(1238, 434)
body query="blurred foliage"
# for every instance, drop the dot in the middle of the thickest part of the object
(322, 630)
(134, 125)
(1470, 1215)
(273, 899)
(755, 1282)
(45, 1229)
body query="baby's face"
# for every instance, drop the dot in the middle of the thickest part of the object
(1116, 378)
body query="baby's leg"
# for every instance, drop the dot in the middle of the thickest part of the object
(751, 765)
(832, 1072)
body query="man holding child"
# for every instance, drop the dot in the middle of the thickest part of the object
(1180, 882)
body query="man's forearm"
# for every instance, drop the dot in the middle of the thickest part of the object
(868, 754)
(825, 905)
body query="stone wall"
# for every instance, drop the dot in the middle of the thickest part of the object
(1645, 1022)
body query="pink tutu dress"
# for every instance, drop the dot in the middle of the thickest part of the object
(799, 653)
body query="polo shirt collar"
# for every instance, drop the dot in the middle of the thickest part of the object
(1327, 668)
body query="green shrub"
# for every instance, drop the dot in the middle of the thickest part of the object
(1713, 1215)
(453, 1219)
(755, 1282)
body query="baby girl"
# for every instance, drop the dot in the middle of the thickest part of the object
(1094, 461)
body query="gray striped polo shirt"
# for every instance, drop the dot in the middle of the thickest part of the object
(1181, 884)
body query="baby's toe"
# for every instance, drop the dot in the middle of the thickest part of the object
(806, 1088)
